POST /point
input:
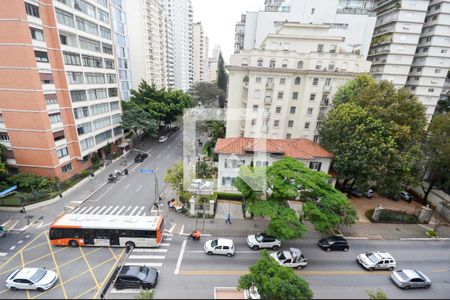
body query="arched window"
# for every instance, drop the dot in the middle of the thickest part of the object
(246, 79)
(272, 63)
(318, 65)
(344, 67)
(284, 65)
(260, 62)
(297, 80)
(244, 62)
(300, 65)
(331, 66)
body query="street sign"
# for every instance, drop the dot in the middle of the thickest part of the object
(147, 171)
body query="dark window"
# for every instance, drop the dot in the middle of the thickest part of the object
(41, 56)
(63, 39)
(37, 34)
(32, 10)
(58, 135)
(112, 92)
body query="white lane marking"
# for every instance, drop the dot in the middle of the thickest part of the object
(180, 258)
(168, 239)
(44, 225)
(127, 210)
(172, 228)
(13, 225)
(107, 211)
(12, 248)
(144, 250)
(81, 210)
(96, 208)
(158, 155)
(182, 229)
(237, 251)
(20, 242)
(135, 167)
(4, 224)
(141, 263)
(76, 210)
(88, 210)
(136, 208)
(167, 234)
(165, 244)
(127, 186)
(141, 211)
(146, 257)
(101, 210)
(125, 291)
(168, 156)
(114, 210)
(139, 188)
(3, 253)
(27, 236)
(118, 213)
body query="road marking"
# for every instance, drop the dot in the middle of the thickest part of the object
(107, 211)
(237, 251)
(6, 223)
(102, 195)
(303, 273)
(139, 188)
(157, 169)
(144, 250)
(125, 291)
(12, 248)
(3, 254)
(80, 210)
(23, 266)
(167, 239)
(165, 244)
(43, 225)
(143, 263)
(88, 210)
(85, 292)
(135, 209)
(120, 211)
(440, 270)
(20, 242)
(96, 208)
(141, 211)
(167, 234)
(56, 266)
(89, 267)
(101, 210)
(35, 246)
(146, 257)
(13, 225)
(127, 186)
(182, 229)
(180, 258)
(27, 236)
(114, 210)
(172, 228)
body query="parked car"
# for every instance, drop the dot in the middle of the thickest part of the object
(333, 243)
(376, 260)
(140, 157)
(136, 277)
(292, 259)
(407, 279)
(262, 240)
(38, 279)
(163, 138)
(406, 196)
(220, 247)
(369, 194)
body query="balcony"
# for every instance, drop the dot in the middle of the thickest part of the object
(269, 85)
(327, 89)
(325, 103)
(268, 100)
(266, 115)
(322, 116)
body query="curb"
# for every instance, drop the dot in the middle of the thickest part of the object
(424, 239)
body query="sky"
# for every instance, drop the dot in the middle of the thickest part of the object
(219, 18)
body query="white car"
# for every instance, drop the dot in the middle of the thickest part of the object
(31, 279)
(220, 247)
(292, 259)
(262, 240)
(163, 138)
(376, 260)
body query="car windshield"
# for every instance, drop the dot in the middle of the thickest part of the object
(281, 256)
(258, 237)
(372, 257)
(143, 272)
(403, 276)
(214, 243)
(38, 275)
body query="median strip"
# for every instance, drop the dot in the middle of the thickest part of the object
(302, 273)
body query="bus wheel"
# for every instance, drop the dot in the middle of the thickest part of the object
(73, 244)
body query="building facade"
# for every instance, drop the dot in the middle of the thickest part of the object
(180, 14)
(170, 54)
(284, 90)
(120, 29)
(236, 152)
(148, 42)
(59, 97)
(200, 53)
(354, 20)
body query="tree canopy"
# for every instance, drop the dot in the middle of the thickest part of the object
(206, 94)
(274, 281)
(222, 80)
(174, 177)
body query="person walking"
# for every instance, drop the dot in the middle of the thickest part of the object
(228, 219)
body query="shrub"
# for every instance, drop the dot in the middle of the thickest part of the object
(229, 196)
(85, 173)
(392, 216)
(145, 294)
(432, 233)
(29, 182)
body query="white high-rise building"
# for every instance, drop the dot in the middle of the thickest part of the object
(200, 54)
(180, 14)
(148, 43)
(284, 89)
(216, 51)
(352, 19)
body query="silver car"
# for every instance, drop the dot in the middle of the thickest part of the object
(38, 279)
(407, 279)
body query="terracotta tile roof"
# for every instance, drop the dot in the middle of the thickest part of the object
(296, 148)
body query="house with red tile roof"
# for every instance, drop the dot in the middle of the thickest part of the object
(240, 151)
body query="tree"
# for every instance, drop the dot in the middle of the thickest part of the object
(222, 80)
(274, 281)
(216, 130)
(436, 165)
(378, 295)
(206, 94)
(3, 151)
(174, 177)
(135, 119)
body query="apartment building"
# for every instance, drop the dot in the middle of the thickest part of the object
(213, 63)
(200, 53)
(59, 97)
(120, 31)
(352, 19)
(148, 43)
(284, 89)
(170, 54)
(180, 14)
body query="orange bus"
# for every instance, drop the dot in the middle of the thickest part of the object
(107, 230)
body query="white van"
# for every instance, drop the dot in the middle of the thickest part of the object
(220, 247)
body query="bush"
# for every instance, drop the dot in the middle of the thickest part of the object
(229, 196)
(84, 173)
(29, 182)
(145, 294)
(392, 216)
(432, 233)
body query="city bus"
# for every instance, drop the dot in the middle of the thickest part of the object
(107, 230)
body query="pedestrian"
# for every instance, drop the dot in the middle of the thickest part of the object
(228, 220)
(125, 171)
(92, 175)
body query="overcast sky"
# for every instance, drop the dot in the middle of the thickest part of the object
(219, 17)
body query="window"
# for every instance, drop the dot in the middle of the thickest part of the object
(88, 44)
(75, 77)
(92, 61)
(315, 165)
(444, 51)
(327, 81)
(313, 10)
(276, 123)
(253, 122)
(118, 131)
(87, 26)
(97, 94)
(112, 92)
(255, 108)
(107, 48)
(64, 17)
(109, 64)
(430, 90)
(105, 33)
(272, 63)
(62, 152)
(51, 99)
(94, 78)
(37, 34)
(278, 109)
(99, 138)
(84, 128)
(114, 105)
(312, 97)
(300, 65)
(32, 10)
(425, 49)
(111, 78)
(41, 56)
(4, 137)
(282, 80)
(294, 95)
(103, 16)
(288, 136)
(66, 168)
(316, 139)
(315, 81)
(46, 78)
(85, 8)
(81, 112)
(310, 111)
(101, 123)
(63, 39)
(55, 118)
(72, 59)
(103, 3)
(260, 62)
(331, 66)
(292, 110)
(437, 70)
(87, 143)
(307, 125)
(116, 119)
(99, 108)
(297, 81)
(58, 135)
(280, 95)
(258, 79)
(320, 48)
(290, 123)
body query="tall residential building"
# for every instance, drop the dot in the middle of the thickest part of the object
(216, 51)
(352, 19)
(148, 43)
(213, 63)
(59, 96)
(170, 54)
(200, 53)
(180, 14)
(120, 29)
(285, 88)
(411, 47)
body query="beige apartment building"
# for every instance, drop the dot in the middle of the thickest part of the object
(284, 89)
(58, 85)
(200, 53)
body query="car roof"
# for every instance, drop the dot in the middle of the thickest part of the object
(130, 270)
(26, 273)
(382, 255)
(336, 238)
(225, 242)
(410, 273)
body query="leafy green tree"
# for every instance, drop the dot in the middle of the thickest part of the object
(436, 166)
(216, 130)
(378, 295)
(136, 119)
(274, 281)
(174, 177)
(222, 80)
(3, 151)
(30, 182)
(206, 94)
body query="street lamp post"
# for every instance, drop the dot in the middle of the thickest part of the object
(157, 197)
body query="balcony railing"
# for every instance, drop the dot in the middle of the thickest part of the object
(269, 85)
(327, 88)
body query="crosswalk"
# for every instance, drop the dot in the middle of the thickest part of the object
(112, 210)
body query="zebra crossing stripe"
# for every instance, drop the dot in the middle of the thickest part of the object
(101, 210)
(120, 211)
(88, 210)
(3, 253)
(145, 250)
(136, 208)
(125, 291)
(141, 212)
(96, 208)
(142, 263)
(109, 208)
(165, 244)
(76, 210)
(114, 210)
(146, 257)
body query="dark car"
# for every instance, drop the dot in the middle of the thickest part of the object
(334, 243)
(140, 157)
(133, 277)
